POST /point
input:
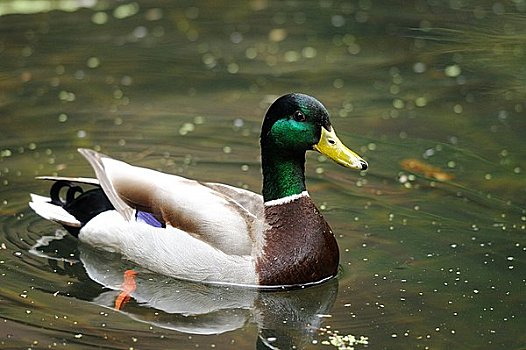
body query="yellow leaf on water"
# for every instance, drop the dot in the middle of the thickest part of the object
(417, 166)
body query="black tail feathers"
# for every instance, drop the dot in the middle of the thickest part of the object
(83, 205)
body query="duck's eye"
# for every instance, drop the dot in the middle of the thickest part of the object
(299, 116)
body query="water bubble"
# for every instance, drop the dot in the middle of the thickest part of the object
(292, 56)
(429, 153)
(236, 37)
(126, 80)
(140, 32)
(154, 14)
(308, 52)
(26, 76)
(338, 83)
(79, 74)
(118, 94)
(338, 21)
(453, 71)
(238, 122)
(60, 69)
(277, 35)
(232, 68)
(27, 51)
(458, 109)
(186, 128)
(354, 49)
(251, 53)
(99, 18)
(126, 10)
(421, 101)
(93, 62)
(66, 96)
(397, 79)
(398, 103)
(209, 60)
(419, 67)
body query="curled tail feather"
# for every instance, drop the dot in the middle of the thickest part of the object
(78, 207)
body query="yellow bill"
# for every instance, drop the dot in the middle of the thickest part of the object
(331, 146)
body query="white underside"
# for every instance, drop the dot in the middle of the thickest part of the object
(168, 251)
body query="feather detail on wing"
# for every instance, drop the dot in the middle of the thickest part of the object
(213, 213)
(96, 161)
(80, 180)
(249, 200)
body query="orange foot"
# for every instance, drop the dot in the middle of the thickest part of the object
(128, 286)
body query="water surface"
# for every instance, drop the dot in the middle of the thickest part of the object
(431, 93)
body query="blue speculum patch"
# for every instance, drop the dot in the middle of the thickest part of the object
(148, 219)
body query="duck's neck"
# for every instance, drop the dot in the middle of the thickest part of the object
(283, 174)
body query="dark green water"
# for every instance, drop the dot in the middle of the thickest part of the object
(182, 87)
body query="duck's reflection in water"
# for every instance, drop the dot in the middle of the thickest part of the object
(285, 318)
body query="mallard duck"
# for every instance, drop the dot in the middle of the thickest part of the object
(212, 232)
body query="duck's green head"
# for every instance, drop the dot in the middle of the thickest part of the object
(296, 123)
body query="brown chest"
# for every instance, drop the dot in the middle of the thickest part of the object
(299, 245)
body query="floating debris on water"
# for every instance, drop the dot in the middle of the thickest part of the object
(342, 342)
(417, 166)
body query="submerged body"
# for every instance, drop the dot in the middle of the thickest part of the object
(212, 232)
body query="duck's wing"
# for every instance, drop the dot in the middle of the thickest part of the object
(80, 180)
(96, 161)
(204, 212)
(249, 200)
